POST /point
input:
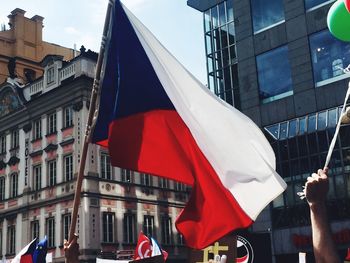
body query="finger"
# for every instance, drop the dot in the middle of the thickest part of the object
(314, 175)
(326, 170)
(309, 180)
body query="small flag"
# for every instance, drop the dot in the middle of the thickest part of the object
(40, 252)
(156, 118)
(26, 254)
(143, 247)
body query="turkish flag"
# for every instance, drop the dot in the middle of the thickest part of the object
(143, 248)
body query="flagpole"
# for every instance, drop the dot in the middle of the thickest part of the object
(88, 129)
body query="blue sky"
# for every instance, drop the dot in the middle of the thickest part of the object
(80, 22)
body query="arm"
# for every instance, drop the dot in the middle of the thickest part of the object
(316, 189)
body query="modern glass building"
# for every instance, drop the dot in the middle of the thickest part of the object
(286, 74)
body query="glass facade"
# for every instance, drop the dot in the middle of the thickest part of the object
(329, 57)
(311, 4)
(301, 147)
(221, 56)
(266, 14)
(274, 74)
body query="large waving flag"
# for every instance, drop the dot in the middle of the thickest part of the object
(156, 118)
(32, 253)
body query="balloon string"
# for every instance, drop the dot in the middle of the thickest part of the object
(334, 139)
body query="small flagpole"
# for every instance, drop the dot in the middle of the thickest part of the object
(89, 125)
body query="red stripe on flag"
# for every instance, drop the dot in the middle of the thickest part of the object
(159, 143)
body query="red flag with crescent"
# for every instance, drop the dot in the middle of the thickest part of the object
(143, 248)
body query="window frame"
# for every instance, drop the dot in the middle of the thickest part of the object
(34, 229)
(11, 239)
(37, 129)
(129, 228)
(52, 172)
(37, 177)
(15, 139)
(105, 166)
(50, 232)
(68, 167)
(13, 185)
(52, 123)
(108, 221)
(68, 117)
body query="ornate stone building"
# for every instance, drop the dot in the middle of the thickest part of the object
(41, 136)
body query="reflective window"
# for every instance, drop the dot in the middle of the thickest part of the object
(322, 120)
(332, 118)
(292, 130)
(221, 52)
(329, 57)
(266, 13)
(311, 124)
(275, 82)
(283, 132)
(302, 125)
(229, 10)
(315, 3)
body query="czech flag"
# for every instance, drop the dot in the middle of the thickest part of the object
(156, 118)
(32, 253)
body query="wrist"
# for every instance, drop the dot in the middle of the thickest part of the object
(318, 206)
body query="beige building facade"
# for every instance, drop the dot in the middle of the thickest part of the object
(23, 41)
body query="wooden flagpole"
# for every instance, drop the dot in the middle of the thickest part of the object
(89, 125)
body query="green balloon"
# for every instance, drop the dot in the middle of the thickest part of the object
(338, 21)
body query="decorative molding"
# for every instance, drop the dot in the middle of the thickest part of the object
(77, 106)
(2, 164)
(51, 147)
(13, 160)
(67, 142)
(36, 153)
(27, 127)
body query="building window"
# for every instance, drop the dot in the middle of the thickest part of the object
(2, 189)
(146, 179)
(107, 227)
(50, 75)
(180, 187)
(14, 139)
(2, 144)
(129, 229)
(68, 167)
(52, 170)
(126, 176)
(51, 124)
(11, 240)
(14, 185)
(163, 183)
(50, 232)
(274, 75)
(266, 14)
(148, 225)
(34, 229)
(146, 182)
(329, 57)
(180, 239)
(167, 232)
(311, 4)
(68, 117)
(37, 130)
(106, 172)
(66, 221)
(37, 177)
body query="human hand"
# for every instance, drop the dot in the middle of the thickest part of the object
(71, 250)
(316, 188)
